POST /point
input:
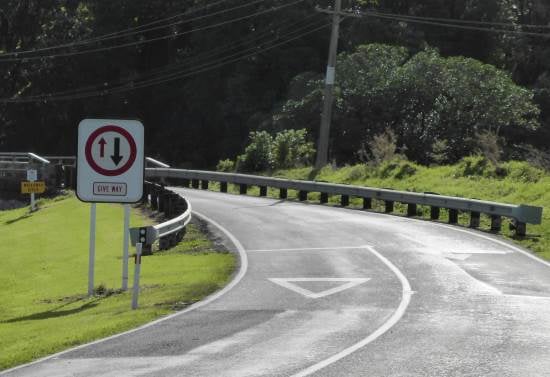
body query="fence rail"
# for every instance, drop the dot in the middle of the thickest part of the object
(520, 214)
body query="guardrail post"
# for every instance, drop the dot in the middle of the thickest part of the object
(195, 183)
(283, 193)
(223, 186)
(324, 198)
(162, 202)
(145, 196)
(521, 229)
(302, 196)
(263, 190)
(367, 203)
(185, 182)
(344, 200)
(474, 219)
(204, 184)
(388, 204)
(154, 198)
(496, 223)
(411, 209)
(434, 213)
(453, 216)
(243, 189)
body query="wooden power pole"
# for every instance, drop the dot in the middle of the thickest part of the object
(324, 132)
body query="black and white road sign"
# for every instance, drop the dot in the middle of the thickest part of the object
(110, 161)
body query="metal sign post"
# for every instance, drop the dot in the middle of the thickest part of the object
(125, 245)
(32, 175)
(137, 271)
(91, 259)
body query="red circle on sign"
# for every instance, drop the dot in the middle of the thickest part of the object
(124, 168)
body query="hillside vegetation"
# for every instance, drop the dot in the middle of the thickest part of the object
(473, 177)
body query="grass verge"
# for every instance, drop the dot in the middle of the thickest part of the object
(43, 275)
(514, 183)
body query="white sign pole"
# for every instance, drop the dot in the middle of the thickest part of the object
(137, 271)
(125, 245)
(91, 261)
(32, 175)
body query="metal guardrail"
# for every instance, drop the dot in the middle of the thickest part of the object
(520, 214)
(170, 232)
(22, 157)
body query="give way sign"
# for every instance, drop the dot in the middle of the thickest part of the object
(110, 161)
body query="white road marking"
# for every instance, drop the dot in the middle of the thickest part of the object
(242, 271)
(395, 317)
(308, 249)
(288, 283)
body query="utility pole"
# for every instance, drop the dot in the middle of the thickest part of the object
(324, 132)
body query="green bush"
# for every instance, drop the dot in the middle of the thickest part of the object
(397, 168)
(258, 155)
(291, 149)
(288, 149)
(522, 171)
(474, 166)
(226, 165)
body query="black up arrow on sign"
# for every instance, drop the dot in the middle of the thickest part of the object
(116, 157)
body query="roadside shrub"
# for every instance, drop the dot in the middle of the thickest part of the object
(488, 145)
(258, 155)
(522, 171)
(397, 168)
(291, 149)
(226, 165)
(288, 149)
(383, 147)
(440, 151)
(475, 166)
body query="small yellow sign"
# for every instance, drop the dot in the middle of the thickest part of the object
(36, 187)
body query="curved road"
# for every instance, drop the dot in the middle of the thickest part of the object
(327, 291)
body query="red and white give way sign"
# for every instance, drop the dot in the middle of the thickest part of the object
(110, 160)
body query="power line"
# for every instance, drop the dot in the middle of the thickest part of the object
(419, 20)
(185, 62)
(462, 21)
(130, 86)
(147, 41)
(133, 31)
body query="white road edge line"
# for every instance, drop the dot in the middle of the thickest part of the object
(395, 317)
(308, 249)
(242, 271)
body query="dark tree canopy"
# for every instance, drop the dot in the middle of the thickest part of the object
(209, 101)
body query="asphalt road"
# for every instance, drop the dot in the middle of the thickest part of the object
(328, 291)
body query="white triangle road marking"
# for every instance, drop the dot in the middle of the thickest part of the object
(289, 284)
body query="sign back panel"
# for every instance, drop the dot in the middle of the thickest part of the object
(110, 161)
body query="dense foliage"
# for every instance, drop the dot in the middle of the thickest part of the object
(209, 87)
(422, 98)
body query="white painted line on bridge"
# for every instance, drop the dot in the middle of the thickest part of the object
(289, 284)
(406, 294)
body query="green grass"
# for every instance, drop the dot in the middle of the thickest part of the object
(516, 183)
(43, 278)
